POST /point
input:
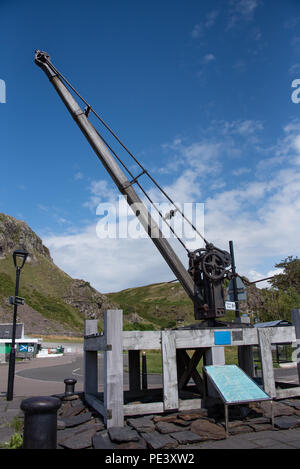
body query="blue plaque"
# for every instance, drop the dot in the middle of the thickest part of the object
(222, 337)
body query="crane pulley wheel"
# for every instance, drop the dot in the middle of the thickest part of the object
(213, 265)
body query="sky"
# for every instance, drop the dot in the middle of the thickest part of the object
(203, 93)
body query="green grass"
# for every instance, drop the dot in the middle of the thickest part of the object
(42, 285)
(160, 305)
(16, 440)
(154, 360)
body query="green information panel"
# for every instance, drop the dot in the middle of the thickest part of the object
(233, 385)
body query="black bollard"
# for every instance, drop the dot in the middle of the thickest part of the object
(40, 422)
(70, 386)
(144, 371)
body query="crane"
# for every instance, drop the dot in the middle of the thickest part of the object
(203, 281)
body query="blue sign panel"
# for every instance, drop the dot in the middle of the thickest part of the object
(23, 348)
(234, 385)
(222, 337)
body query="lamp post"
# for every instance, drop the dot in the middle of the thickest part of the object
(19, 257)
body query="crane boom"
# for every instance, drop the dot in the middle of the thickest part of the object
(42, 59)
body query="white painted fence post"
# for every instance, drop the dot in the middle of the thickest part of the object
(296, 323)
(113, 368)
(90, 360)
(170, 382)
(213, 356)
(265, 341)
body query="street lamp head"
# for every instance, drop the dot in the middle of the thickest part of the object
(20, 257)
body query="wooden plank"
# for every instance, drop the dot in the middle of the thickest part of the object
(190, 404)
(213, 356)
(289, 392)
(141, 340)
(170, 386)
(196, 338)
(95, 404)
(140, 409)
(189, 368)
(134, 370)
(113, 368)
(90, 361)
(265, 340)
(189, 339)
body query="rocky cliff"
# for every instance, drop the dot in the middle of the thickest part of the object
(55, 302)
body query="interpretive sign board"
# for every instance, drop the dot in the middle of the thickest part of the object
(235, 387)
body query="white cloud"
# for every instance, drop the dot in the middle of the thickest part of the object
(208, 58)
(207, 23)
(108, 264)
(241, 11)
(100, 191)
(262, 216)
(78, 176)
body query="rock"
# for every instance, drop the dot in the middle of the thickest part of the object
(60, 424)
(286, 422)
(240, 429)
(79, 440)
(260, 427)
(141, 444)
(101, 442)
(186, 437)
(77, 419)
(166, 427)
(77, 437)
(172, 419)
(193, 414)
(71, 409)
(293, 403)
(72, 397)
(142, 424)
(165, 418)
(156, 440)
(123, 434)
(208, 430)
(279, 409)
(258, 420)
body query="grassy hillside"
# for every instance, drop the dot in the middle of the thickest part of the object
(55, 302)
(156, 306)
(43, 286)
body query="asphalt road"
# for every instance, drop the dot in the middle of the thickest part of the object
(75, 370)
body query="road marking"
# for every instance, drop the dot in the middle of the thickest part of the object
(74, 372)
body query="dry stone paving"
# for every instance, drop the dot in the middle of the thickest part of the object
(80, 427)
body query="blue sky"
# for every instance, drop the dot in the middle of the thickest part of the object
(200, 91)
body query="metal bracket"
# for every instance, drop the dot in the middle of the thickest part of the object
(134, 179)
(108, 414)
(108, 347)
(87, 110)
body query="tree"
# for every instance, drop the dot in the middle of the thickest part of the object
(277, 304)
(290, 277)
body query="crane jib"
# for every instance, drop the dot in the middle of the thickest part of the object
(42, 59)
